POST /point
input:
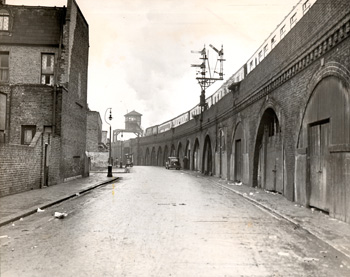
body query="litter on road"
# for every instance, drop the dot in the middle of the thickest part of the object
(60, 215)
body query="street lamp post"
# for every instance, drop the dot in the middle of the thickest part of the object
(109, 174)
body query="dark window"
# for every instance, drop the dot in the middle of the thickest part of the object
(4, 66)
(47, 69)
(4, 20)
(28, 133)
(273, 42)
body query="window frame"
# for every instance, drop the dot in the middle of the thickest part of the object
(266, 50)
(293, 20)
(5, 69)
(4, 14)
(25, 128)
(283, 31)
(45, 74)
(306, 6)
(273, 42)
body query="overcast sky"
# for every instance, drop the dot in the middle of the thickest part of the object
(140, 50)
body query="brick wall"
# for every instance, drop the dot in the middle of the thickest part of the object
(25, 63)
(74, 99)
(93, 132)
(20, 167)
(30, 105)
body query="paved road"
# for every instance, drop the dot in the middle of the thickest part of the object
(156, 222)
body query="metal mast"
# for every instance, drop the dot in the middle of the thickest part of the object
(207, 78)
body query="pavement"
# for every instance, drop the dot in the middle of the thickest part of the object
(334, 232)
(16, 206)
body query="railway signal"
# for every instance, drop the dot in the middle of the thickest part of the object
(206, 76)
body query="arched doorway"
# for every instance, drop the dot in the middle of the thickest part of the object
(153, 157)
(325, 134)
(172, 151)
(207, 164)
(140, 160)
(237, 154)
(187, 155)
(180, 154)
(220, 153)
(166, 154)
(195, 156)
(159, 156)
(268, 155)
(147, 157)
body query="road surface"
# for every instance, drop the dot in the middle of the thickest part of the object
(158, 222)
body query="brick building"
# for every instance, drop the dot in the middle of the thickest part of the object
(43, 95)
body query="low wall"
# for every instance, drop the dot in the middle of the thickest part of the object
(20, 167)
(98, 159)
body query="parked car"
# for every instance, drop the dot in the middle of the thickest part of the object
(129, 163)
(173, 162)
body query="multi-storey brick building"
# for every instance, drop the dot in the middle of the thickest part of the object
(43, 95)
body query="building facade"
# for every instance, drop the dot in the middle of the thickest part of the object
(43, 95)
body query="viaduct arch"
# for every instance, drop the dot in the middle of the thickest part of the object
(286, 126)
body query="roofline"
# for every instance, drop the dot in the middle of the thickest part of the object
(33, 7)
(75, 2)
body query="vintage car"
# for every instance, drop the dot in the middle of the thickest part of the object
(173, 162)
(129, 163)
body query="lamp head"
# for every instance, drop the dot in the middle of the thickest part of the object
(110, 115)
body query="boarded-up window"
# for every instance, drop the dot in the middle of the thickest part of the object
(28, 132)
(47, 69)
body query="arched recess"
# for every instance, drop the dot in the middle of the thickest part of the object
(187, 155)
(268, 154)
(221, 158)
(180, 154)
(207, 161)
(237, 154)
(172, 150)
(166, 154)
(147, 157)
(159, 156)
(140, 160)
(195, 156)
(153, 156)
(324, 138)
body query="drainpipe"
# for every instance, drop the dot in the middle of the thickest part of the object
(55, 75)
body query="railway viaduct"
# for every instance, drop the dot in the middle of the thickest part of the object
(286, 126)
